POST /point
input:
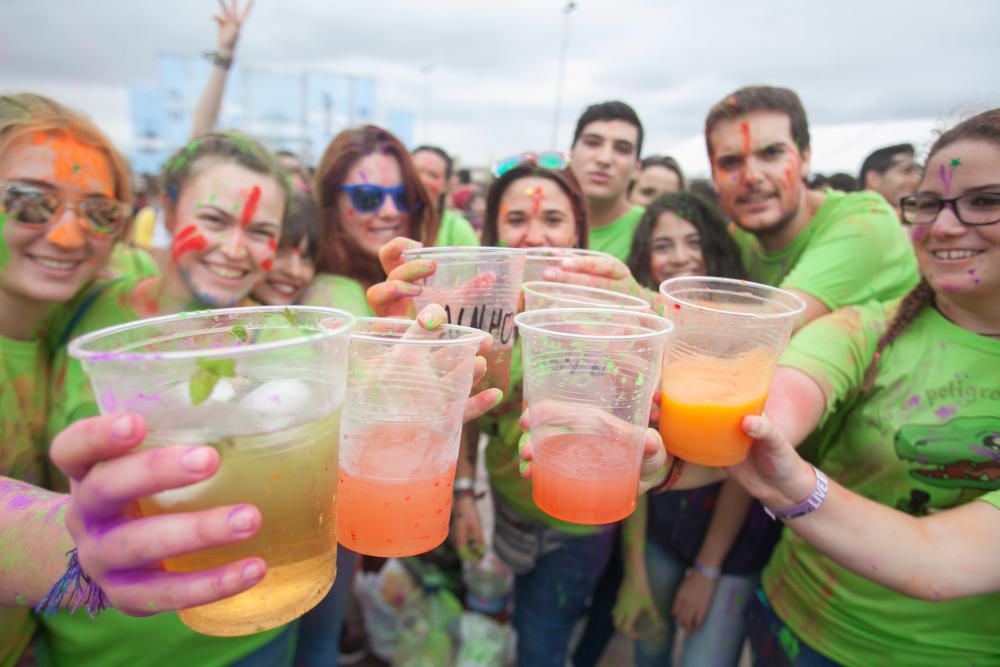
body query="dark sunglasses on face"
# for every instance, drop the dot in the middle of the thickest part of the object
(368, 198)
(31, 206)
(972, 208)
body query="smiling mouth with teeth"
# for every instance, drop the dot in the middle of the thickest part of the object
(225, 271)
(59, 265)
(283, 288)
(955, 254)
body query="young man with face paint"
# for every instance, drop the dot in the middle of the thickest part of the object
(225, 200)
(606, 148)
(831, 249)
(64, 201)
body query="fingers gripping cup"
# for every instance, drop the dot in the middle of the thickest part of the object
(400, 434)
(539, 259)
(264, 386)
(541, 294)
(728, 337)
(589, 378)
(479, 288)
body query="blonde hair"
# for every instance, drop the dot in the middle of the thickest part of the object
(23, 114)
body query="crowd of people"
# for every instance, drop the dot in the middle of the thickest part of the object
(879, 451)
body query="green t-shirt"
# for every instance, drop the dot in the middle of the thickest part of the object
(924, 438)
(615, 238)
(113, 639)
(854, 250)
(503, 428)
(455, 230)
(23, 385)
(993, 498)
(333, 291)
(131, 262)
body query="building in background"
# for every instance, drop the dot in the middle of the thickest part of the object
(296, 111)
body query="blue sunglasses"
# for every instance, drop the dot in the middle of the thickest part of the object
(367, 198)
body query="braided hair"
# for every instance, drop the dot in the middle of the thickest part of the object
(910, 307)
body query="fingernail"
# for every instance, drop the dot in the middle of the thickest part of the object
(198, 459)
(499, 398)
(522, 466)
(123, 427)
(521, 442)
(242, 519)
(252, 571)
(410, 290)
(430, 322)
(549, 274)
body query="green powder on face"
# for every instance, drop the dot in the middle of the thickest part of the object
(21, 601)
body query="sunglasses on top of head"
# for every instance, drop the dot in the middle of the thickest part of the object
(553, 160)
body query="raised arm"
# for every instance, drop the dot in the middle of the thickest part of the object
(230, 20)
(942, 556)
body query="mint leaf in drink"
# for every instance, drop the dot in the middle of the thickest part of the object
(290, 316)
(239, 332)
(207, 375)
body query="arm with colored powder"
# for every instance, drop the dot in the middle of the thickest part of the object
(941, 556)
(230, 22)
(635, 596)
(694, 597)
(115, 547)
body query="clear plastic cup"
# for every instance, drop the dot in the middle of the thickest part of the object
(539, 259)
(540, 294)
(589, 378)
(728, 337)
(264, 386)
(480, 288)
(400, 434)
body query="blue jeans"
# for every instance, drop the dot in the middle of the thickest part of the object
(773, 644)
(719, 640)
(319, 628)
(550, 598)
(275, 653)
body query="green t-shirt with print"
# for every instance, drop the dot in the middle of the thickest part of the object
(503, 428)
(925, 437)
(615, 238)
(113, 639)
(332, 291)
(455, 230)
(854, 250)
(23, 387)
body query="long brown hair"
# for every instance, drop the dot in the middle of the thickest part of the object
(563, 178)
(982, 127)
(339, 253)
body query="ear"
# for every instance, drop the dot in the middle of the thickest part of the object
(169, 213)
(804, 166)
(873, 180)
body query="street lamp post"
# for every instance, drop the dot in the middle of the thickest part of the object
(567, 10)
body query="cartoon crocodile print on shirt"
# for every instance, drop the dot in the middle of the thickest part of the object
(961, 453)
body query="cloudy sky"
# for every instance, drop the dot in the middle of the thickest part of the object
(491, 86)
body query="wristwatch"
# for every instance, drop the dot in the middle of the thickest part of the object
(810, 504)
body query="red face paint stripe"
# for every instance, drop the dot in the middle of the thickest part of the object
(184, 233)
(745, 129)
(267, 265)
(194, 243)
(272, 244)
(250, 209)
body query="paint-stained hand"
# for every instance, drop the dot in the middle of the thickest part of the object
(654, 455)
(607, 273)
(121, 550)
(693, 599)
(393, 297)
(774, 473)
(635, 613)
(230, 20)
(467, 529)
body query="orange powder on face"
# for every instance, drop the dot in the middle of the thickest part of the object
(76, 163)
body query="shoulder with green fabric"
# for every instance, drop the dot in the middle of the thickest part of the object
(615, 238)
(334, 291)
(455, 230)
(993, 498)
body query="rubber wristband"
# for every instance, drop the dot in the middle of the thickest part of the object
(673, 475)
(807, 506)
(706, 571)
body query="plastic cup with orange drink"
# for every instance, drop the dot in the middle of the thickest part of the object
(728, 337)
(589, 378)
(264, 386)
(399, 435)
(480, 288)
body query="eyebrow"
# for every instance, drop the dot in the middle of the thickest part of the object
(45, 185)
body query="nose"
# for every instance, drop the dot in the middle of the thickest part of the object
(604, 153)
(388, 209)
(535, 235)
(947, 224)
(751, 171)
(295, 266)
(234, 245)
(66, 232)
